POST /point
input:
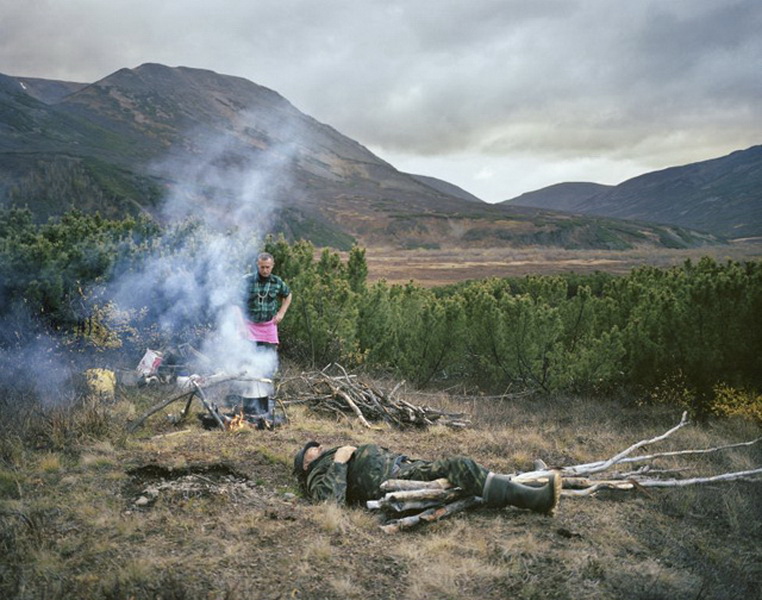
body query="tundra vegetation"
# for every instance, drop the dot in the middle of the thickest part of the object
(566, 368)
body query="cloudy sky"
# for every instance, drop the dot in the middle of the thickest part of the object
(499, 97)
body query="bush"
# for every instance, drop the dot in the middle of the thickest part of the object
(732, 402)
(693, 327)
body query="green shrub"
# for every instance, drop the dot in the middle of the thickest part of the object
(694, 328)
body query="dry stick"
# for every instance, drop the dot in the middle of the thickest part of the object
(357, 411)
(185, 410)
(157, 408)
(207, 382)
(603, 465)
(342, 369)
(752, 475)
(432, 514)
(383, 411)
(418, 499)
(408, 506)
(283, 408)
(394, 485)
(646, 470)
(354, 407)
(646, 457)
(208, 406)
(600, 485)
(396, 387)
(425, 494)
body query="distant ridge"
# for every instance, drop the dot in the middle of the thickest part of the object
(722, 196)
(47, 91)
(446, 188)
(560, 196)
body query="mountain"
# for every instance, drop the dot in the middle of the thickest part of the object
(446, 187)
(49, 91)
(722, 196)
(560, 196)
(129, 142)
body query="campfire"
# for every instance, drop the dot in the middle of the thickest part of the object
(227, 400)
(238, 422)
(232, 401)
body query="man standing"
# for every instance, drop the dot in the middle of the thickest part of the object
(267, 300)
(353, 475)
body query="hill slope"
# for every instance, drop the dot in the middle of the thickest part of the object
(446, 187)
(722, 196)
(213, 143)
(560, 196)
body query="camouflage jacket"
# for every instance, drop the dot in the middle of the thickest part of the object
(360, 479)
(354, 482)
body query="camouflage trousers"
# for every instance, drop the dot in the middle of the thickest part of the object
(459, 470)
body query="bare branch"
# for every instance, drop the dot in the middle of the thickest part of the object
(751, 475)
(577, 481)
(647, 457)
(603, 465)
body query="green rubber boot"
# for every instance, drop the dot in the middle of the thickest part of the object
(500, 491)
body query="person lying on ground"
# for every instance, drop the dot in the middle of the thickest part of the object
(353, 475)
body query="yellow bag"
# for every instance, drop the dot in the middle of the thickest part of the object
(101, 382)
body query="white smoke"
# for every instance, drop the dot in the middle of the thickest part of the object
(232, 190)
(36, 366)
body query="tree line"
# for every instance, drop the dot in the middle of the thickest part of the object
(689, 334)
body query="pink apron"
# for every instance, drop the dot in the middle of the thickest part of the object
(263, 332)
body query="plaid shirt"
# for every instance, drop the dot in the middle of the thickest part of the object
(262, 296)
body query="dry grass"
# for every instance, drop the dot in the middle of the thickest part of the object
(453, 265)
(71, 526)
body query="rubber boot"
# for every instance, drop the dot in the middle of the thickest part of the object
(500, 491)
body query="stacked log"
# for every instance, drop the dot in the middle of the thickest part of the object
(408, 504)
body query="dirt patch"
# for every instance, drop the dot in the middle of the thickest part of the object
(149, 482)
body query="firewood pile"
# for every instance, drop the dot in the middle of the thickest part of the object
(408, 504)
(344, 394)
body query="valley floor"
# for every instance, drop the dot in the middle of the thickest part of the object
(431, 268)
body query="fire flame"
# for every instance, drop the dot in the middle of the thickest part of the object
(237, 423)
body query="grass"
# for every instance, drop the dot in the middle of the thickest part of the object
(451, 265)
(70, 525)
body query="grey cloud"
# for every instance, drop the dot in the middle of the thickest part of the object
(441, 77)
